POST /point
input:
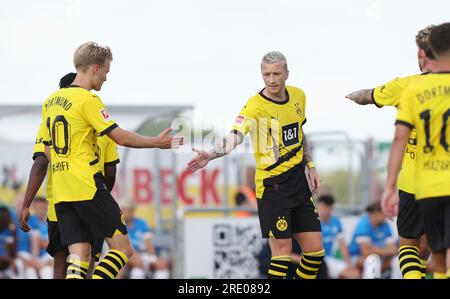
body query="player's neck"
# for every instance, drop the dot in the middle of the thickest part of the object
(442, 65)
(279, 97)
(444, 68)
(83, 81)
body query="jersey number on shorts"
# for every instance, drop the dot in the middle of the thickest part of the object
(60, 133)
(426, 116)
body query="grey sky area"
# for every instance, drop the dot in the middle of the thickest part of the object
(206, 53)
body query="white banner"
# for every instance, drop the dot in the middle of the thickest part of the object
(221, 247)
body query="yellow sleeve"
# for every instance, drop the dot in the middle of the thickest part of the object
(39, 146)
(246, 120)
(405, 109)
(98, 116)
(111, 153)
(390, 93)
(44, 129)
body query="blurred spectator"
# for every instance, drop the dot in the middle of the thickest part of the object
(373, 237)
(27, 261)
(40, 206)
(144, 259)
(7, 244)
(245, 198)
(333, 241)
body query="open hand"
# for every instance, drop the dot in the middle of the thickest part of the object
(389, 203)
(314, 179)
(200, 160)
(166, 141)
(23, 220)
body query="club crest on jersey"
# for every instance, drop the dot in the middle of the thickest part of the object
(240, 120)
(105, 114)
(298, 109)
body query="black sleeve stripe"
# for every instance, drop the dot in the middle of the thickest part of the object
(404, 123)
(109, 129)
(304, 122)
(112, 162)
(37, 154)
(238, 133)
(93, 162)
(373, 99)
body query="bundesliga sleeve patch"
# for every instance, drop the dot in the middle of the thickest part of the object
(105, 114)
(239, 120)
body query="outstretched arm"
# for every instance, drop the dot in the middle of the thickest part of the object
(361, 97)
(226, 146)
(131, 139)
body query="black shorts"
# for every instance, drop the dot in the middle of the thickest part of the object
(90, 220)
(436, 217)
(409, 220)
(286, 206)
(54, 239)
(55, 245)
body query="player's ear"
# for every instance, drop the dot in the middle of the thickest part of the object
(95, 69)
(421, 54)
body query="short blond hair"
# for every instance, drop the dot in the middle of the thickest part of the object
(91, 53)
(273, 57)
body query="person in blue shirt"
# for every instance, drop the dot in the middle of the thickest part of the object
(40, 206)
(333, 240)
(27, 261)
(373, 237)
(7, 244)
(145, 258)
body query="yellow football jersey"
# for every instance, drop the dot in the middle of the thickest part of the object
(276, 132)
(108, 153)
(390, 94)
(72, 118)
(425, 105)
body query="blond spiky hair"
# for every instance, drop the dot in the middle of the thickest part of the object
(273, 57)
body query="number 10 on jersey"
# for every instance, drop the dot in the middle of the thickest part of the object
(59, 131)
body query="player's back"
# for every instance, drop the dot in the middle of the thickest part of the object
(426, 106)
(71, 118)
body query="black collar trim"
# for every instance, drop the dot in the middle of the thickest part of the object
(273, 101)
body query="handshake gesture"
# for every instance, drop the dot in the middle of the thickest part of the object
(165, 141)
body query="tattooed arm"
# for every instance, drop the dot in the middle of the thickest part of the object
(312, 171)
(226, 146)
(361, 97)
(306, 149)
